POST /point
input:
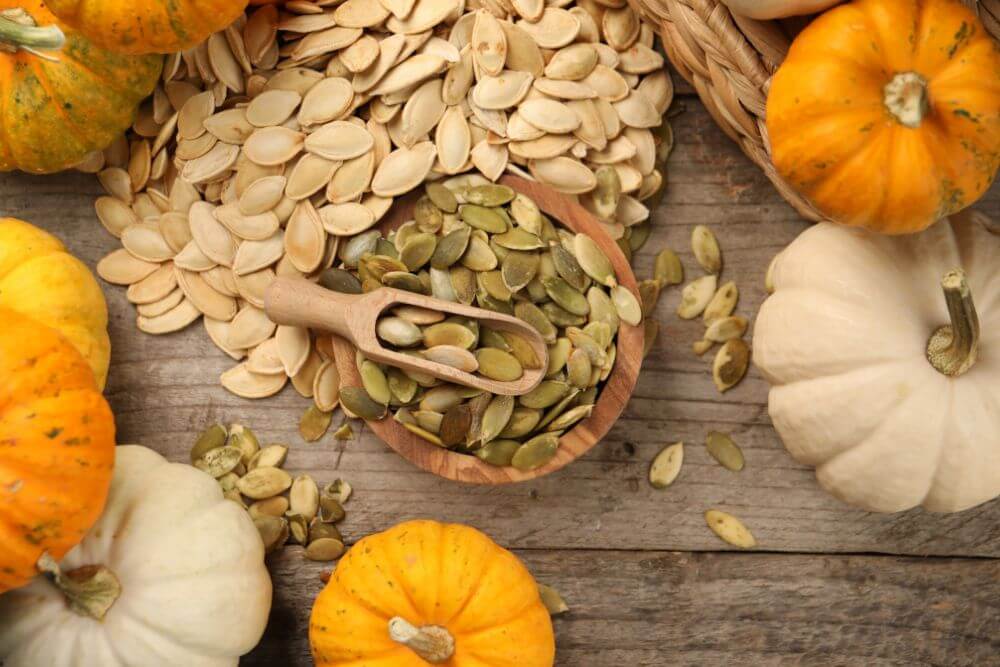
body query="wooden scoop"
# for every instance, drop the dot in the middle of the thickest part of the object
(298, 302)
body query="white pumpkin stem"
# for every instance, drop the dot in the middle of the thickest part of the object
(953, 348)
(19, 31)
(90, 590)
(431, 642)
(905, 96)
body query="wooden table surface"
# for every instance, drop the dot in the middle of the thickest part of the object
(646, 581)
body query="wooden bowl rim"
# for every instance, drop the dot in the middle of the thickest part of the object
(611, 401)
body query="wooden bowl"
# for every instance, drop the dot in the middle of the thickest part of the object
(611, 400)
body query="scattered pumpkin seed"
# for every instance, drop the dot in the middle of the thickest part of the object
(722, 448)
(706, 249)
(314, 423)
(273, 531)
(723, 303)
(668, 269)
(695, 296)
(731, 363)
(730, 529)
(553, 602)
(666, 466)
(324, 550)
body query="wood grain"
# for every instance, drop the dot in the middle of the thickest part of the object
(658, 608)
(614, 395)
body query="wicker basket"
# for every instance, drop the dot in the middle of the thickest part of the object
(729, 60)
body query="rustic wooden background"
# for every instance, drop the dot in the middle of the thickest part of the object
(646, 581)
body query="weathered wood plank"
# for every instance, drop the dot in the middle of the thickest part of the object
(165, 391)
(660, 608)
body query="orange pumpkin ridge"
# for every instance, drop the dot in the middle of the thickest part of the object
(886, 113)
(57, 444)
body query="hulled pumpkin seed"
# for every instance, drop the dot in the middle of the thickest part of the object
(626, 305)
(359, 403)
(211, 438)
(536, 453)
(565, 296)
(498, 452)
(397, 331)
(314, 423)
(666, 466)
(706, 249)
(730, 365)
(593, 260)
(498, 365)
(668, 269)
(545, 395)
(723, 303)
(695, 296)
(722, 448)
(339, 489)
(725, 328)
(345, 432)
(553, 602)
(730, 529)
(442, 197)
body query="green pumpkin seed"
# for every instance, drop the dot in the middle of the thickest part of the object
(498, 365)
(211, 438)
(498, 250)
(441, 398)
(666, 466)
(552, 600)
(324, 550)
(537, 452)
(518, 239)
(522, 422)
(607, 193)
(578, 369)
(428, 217)
(340, 280)
(593, 260)
(588, 397)
(499, 452)
(360, 404)
(493, 284)
(568, 268)
(449, 333)
(398, 332)
(429, 421)
(376, 266)
(402, 236)
(345, 432)
(219, 461)
(402, 386)
(319, 530)
(522, 349)
(626, 305)
(314, 423)
(638, 235)
(668, 268)
(375, 382)
(722, 448)
(725, 328)
(442, 197)
(486, 219)
(262, 483)
(492, 338)
(298, 528)
(706, 249)
(418, 250)
(330, 508)
(496, 417)
(730, 529)
(463, 283)
(479, 256)
(624, 246)
(533, 315)
(424, 433)
(489, 195)
(731, 363)
(651, 331)
(271, 456)
(591, 347)
(569, 418)
(558, 356)
(243, 439)
(526, 214)
(722, 304)
(546, 394)
(339, 489)
(453, 356)
(451, 248)
(386, 248)
(404, 281)
(273, 532)
(566, 297)
(649, 296)
(558, 409)
(602, 309)
(600, 332)
(518, 269)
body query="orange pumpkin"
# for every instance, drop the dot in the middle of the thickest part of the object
(428, 593)
(59, 106)
(147, 26)
(886, 113)
(57, 447)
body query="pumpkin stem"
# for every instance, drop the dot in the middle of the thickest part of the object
(90, 590)
(431, 642)
(953, 348)
(18, 30)
(905, 96)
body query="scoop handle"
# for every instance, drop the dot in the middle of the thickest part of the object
(300, 303)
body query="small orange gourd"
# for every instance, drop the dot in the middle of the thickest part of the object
(427, 593)
(57, 447)
(886, 113)
(147, 26)
(62, 96)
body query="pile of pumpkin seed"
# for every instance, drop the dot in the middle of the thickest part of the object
(482, 244)
(282, 508)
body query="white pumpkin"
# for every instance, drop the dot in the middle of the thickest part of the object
(888, 419)
(774, 9)
(182, 568)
